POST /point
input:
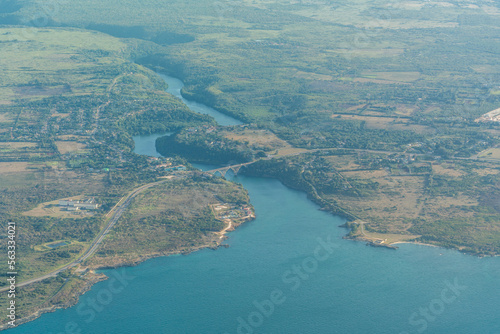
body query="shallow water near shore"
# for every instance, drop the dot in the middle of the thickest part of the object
(289, 271)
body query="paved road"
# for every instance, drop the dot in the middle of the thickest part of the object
(225, 169)
(117, 212)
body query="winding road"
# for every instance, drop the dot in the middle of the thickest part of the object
(116, 212)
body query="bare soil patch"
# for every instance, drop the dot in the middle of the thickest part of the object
(13, 167)
(16, 145)
(69, 146)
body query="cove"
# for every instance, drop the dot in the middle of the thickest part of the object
(290, 271)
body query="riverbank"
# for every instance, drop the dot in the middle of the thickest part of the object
(398, 211)
(297, 180)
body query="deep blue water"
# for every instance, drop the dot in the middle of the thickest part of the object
(289, 271)
(355, 289)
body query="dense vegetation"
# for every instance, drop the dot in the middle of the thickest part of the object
(206, 148)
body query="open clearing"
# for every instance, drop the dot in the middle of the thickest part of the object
(51, 209)
(386, 238)
(13, 167)
(4, 117)
(16, 145)
(392, 76)
(491, 153)
(259, 137)
(265, 138)
(389, 123)
(445, 169)
(69, 146)
(312, 76)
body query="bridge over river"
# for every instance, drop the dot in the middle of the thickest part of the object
(235, 168)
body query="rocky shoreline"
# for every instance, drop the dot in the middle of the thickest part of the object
(211, 242)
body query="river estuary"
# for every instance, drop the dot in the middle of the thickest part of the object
(289, 271)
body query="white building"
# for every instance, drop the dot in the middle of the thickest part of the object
(70, 205)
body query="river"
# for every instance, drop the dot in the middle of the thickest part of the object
(289, 271)
(174, 88)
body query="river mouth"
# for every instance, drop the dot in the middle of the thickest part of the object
(289, 271)
(408, 279)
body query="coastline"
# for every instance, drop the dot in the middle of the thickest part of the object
(447, 248)
(74, 298)
(418, 243)
(393, 245)
(209, 242)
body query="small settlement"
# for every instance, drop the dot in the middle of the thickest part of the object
(237, 213)
(71, 205)
(164, 164)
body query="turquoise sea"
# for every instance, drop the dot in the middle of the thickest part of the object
(289, 271)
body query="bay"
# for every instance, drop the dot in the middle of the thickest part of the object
(355, 289)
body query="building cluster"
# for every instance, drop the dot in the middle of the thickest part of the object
(71, 205)
(227, 211)
(164, 164)
(170, 168)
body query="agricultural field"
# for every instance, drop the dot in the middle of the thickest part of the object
(71, 100)
(35, 71)
(290, 68)
(69, 147)
(392, 78)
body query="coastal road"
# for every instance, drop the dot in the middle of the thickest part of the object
(116, 212)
